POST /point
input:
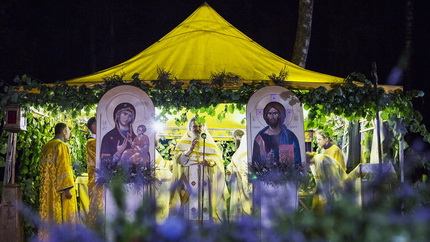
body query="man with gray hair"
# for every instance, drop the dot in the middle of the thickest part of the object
(198, 176)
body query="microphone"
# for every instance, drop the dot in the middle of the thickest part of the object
(203, 135)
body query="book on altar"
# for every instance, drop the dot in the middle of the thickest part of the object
(286, 154)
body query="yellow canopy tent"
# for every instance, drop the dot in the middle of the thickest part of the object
(203, 44)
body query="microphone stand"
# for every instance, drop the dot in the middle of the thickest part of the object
(209, 182)
(203, 179)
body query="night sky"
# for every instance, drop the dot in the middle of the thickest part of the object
(60, 40)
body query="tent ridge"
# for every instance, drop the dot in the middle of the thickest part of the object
(210, 31)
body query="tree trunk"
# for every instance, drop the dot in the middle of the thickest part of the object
(303, 34)
(401, 71)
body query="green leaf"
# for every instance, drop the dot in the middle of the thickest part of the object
(2, 161)
(231, 108)
(23, 170)
(3, 147)
(14, 97)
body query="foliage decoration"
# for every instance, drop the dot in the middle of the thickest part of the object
(354, 102)
(354, 99)
(228, 149)
(280, 79)
(138, 175)
(165, 148)
(224, 79)
(277, 173)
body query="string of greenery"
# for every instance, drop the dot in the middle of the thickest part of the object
(354, 99)
(348, 100)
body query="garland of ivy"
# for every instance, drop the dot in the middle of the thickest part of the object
(354, 102)
(348, 100)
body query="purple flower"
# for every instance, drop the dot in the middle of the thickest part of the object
(72, 233)
(172, 229)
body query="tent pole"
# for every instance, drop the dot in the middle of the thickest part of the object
(402, 168)
(378, 124)
(402, 159)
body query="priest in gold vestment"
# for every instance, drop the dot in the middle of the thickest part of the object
(330, 180)
(241, 189)
(328, 147)
(199, 186)
(162, 195)
(57, 194)
(326, 174)
(95, 191)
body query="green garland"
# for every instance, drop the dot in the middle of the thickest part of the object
(354, 99)
(348, 100)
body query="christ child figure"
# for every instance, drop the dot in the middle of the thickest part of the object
(139, 151)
